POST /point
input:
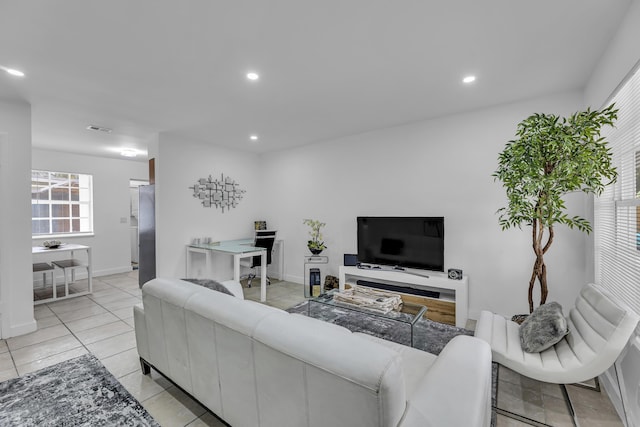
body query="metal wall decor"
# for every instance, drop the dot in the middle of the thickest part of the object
(221, 193)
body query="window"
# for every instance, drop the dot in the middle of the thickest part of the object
(617, 210)
(61, 203)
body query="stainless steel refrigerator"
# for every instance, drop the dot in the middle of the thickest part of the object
(147, 233)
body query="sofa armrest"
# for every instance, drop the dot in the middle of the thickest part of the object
(459, 378)
(140, 325)
(234, 287)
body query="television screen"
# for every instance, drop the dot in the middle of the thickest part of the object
(413, 242)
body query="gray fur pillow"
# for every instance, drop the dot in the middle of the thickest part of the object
(211, 284)
(543, 328)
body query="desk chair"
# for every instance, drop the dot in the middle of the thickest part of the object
(263, 239)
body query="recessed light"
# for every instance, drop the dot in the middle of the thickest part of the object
(128, 153)
(253, 137)
(253, 76)
(13, 71)
(469, 79)
(99, 129)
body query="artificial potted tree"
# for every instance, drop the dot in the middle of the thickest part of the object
(315, 244)
(550, 158)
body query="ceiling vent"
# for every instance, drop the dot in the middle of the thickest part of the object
(99, 128)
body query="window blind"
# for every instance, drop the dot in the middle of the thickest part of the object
(617, 210)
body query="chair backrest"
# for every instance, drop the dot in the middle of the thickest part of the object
(600, 327)
(264, 239)
(265, 233)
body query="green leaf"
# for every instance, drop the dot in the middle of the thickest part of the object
(551, 157)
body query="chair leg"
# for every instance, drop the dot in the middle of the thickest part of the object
(146, 368)
(567, 400)
(520, 418)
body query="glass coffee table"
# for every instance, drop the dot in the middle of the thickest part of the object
(397, 326)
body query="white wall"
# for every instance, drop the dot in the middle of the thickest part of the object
(111, 240)
(180, 217)
(439, 167)
(622, 54)
(16, 295)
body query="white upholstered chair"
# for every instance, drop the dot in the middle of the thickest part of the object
(599, 328)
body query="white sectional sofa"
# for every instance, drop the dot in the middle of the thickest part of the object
(254, 365)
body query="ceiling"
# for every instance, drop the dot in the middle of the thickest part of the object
(328, 68)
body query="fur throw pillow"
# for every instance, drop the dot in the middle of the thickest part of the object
(211, 284)
(543, 328)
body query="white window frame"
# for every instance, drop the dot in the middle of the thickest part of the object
(617, 210)
(77, 210)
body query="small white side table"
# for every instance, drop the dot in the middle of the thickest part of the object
(313, 262)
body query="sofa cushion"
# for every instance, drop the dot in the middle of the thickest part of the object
(332, 370)
(454, 379)
(543, 328)
(415, 363)
(211, 284)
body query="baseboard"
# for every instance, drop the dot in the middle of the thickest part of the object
(16, 330)
(294, 279)
(110, 271)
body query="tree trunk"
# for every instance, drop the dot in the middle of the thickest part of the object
(539, 272)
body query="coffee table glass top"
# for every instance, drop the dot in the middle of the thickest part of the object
(408, 315)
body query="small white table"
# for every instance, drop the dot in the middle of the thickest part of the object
(54, 255)
(242, 248)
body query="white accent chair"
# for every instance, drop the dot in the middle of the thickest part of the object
(599, 328)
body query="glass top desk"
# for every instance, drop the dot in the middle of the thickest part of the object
(241, 248)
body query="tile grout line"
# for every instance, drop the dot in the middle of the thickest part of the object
(71, 332)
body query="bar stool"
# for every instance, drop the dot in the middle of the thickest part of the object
(44, 268)
(70, 265)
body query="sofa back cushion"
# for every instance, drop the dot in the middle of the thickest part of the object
(257, 365)
(313, 370)
(219, 330)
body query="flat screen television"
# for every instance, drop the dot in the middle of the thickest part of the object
(411, 242)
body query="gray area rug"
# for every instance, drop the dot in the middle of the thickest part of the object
(77, 392)
(429, 336)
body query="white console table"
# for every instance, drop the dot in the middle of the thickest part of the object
(456, 291)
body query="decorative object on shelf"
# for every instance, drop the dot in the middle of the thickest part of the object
(315, 245)
(52, 244)
(454, 273)
(260, 225)
(551, 157)
(331, 282)
(221, 193)
(369, 299)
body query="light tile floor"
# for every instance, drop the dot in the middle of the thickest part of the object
(102, 324)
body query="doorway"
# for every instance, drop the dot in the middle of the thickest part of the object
(133, 222)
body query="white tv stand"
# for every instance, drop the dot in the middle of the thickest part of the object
(454, 291)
